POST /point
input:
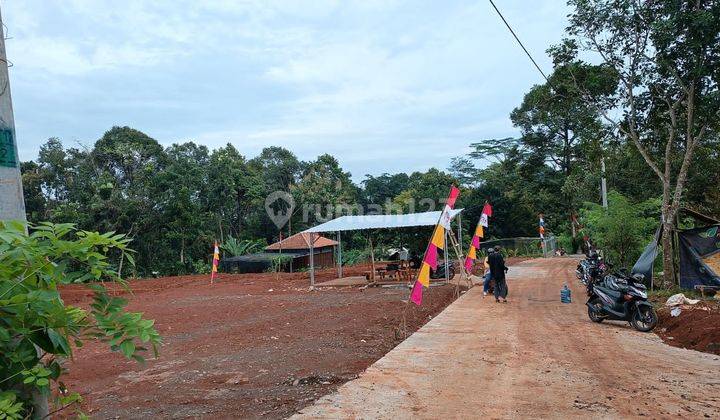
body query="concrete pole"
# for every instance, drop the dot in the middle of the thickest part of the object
(12, 203)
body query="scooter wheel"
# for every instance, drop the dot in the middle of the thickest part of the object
(644, 319)
(594, 314)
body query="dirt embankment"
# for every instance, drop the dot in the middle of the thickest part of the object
(697, 327)
(252, 345)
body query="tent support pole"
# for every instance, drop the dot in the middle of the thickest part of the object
(464, 273)
(339, 256)
(460, 242)
(372, 258)
(447, 266)
(312, 261)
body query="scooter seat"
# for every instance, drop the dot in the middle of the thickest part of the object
(610, 292)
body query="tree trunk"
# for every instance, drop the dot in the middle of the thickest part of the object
(667, 218)
(668, 263)
(222, 239)
(41, 408)
(240, 195)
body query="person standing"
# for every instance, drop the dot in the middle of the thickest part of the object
(487, 276)
(497, 271)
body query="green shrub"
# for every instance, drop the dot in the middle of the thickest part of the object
(201, 267)
(37, 330)
(279, 263)
(236, 247)
(623, 229)
(566, 242)
(355, 256)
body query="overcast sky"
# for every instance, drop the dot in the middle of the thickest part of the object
(385, 86)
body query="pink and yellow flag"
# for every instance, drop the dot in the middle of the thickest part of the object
(216, 261)
(437, 241)
(477, 236)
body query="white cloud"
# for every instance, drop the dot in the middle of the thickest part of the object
(366, 80)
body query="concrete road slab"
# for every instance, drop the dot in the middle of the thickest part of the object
(533, 357)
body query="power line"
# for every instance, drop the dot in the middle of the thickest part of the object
(519, 42)
(586, 100)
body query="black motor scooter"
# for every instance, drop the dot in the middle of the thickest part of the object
(591, 268)
(440, 272)
(622, 298)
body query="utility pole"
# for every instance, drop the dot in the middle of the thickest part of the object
(603, 183)
(12, 203)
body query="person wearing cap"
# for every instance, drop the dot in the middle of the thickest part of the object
(498, 270)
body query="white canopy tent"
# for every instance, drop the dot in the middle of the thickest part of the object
(374, 221)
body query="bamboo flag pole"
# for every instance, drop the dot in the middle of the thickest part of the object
(437, 241)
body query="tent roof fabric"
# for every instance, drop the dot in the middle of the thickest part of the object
(381, 221)
(300, 241)
(699, 216)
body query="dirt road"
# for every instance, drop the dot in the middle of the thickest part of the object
(533, 357)
(249, 346)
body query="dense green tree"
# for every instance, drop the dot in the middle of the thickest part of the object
(426, 191)
(556, 124)
(325, 191)
(623, 229)
(35, 200)
(187, 226)
(516, 189)
(280, 170)
(666, 55)
(126, 162)
(55, 167)
(378, 190)
(463, 169)
(233, 190)
(559, 151)
(175, 201)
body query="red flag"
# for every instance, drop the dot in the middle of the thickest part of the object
(416, 294)
(431, 256)
(487, 209)
(454, 193)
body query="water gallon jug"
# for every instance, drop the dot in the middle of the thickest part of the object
(565, 294)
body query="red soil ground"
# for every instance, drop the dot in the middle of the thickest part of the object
(695, 328)
(250, 345)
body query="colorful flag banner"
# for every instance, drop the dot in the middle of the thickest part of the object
(445, 218)
(432, 256)
(479, 234)
(437, 241)
(216, 261)
(541, 226)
